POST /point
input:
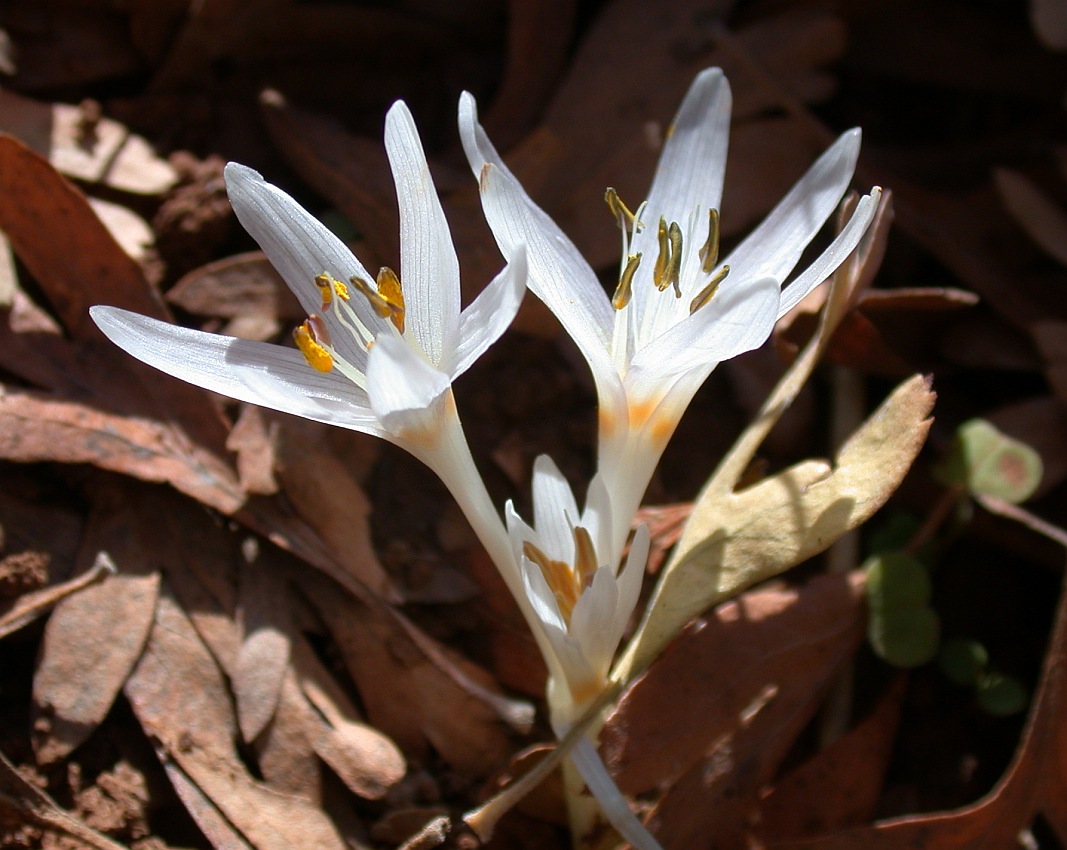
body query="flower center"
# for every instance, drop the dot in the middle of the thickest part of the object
(566, 582)
(312, 338)
(668, 267)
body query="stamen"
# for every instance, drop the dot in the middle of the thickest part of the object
(319, 332)
(558, 576)
(585, 563)
(709, 253)
(705, 295)
(389, 288)
(659, 271)
(674, 268)
(378, 304)
(328, 285)
(314, 352)
(621, 212)
(624, 291)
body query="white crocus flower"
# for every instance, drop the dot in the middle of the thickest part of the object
(583, 601)
(374, 355)
(570, 569)
(678, 309)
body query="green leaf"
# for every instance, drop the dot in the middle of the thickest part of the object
(896, 581)
(963, 661)
(1001, 695)
(904, 637)
(735, 539)
(990, 463)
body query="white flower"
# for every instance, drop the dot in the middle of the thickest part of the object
(678, 310)
(570, 569)
(374, 355)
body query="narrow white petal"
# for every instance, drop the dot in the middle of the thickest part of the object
(585, 757)
(554, 510)
(773, 248)
(429, 269)
(299, 246)
(476, 144)
(256, 372)
(835, 254)
(690, 170)
(597, 519)
(403, 387)
(632, 574)
(489, 315)
(594, 623)
(541, 596)
(518, 531)
(737, 320)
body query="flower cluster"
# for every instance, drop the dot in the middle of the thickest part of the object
(378, 353)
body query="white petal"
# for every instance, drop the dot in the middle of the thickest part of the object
(300, 247)
(554, 510)
(403, 388)
(773, 248)
(835, 254)
(735, 321)
(429, 270)
(596, 518)
(541, 597)
(690, 170)
(632, 574)
(490, 314)
(594, 624)
(476, 144)
(256, 372)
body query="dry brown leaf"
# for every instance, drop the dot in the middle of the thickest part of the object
(239, 285)
(812, 799)
(254, 440)
(263, 659)
(67, 249)
(733, 540)
(93, 639)
(711, 720)
(324, 492)
(284, 751)
(35, 427)
(96, 151)
(181, 700)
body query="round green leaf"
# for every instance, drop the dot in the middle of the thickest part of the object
(963, 661)
(990, 463)
(905, 637)
(896, 581)
(1001, 695)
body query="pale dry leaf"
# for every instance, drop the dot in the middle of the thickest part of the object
(733, 540)
(96, 151)
(263, 659)
(94, 638)
(128, 229)
(284, 751)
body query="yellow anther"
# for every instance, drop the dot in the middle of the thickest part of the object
(376, 301)
(624, 291)
(659, 271)
(389, 289)
(328, 285)
(706, 294)
(314, 352)
(622, 213)
(558, 576)
(674, 267)
(709, 253)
